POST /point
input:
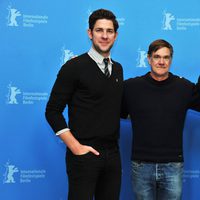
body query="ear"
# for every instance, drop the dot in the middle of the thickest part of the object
(149, 58)
(116, 34)
(89, 31)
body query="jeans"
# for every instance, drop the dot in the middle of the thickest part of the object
(157, 181)
(94, 177)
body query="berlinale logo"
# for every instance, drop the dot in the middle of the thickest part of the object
(9, 173)
(66, 55)
(167, 20)
(142, 55)
(13, 13)
(13, 91)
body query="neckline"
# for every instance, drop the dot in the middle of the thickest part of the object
(99, 70)
(149, 78)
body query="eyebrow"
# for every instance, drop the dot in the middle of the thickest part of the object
(104, 28)
(160, 55)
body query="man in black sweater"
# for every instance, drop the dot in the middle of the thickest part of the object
(157, 104)
(91, 87)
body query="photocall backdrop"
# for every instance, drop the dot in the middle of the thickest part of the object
(36, 38)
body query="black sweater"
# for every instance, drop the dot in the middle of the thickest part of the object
(158, 110)
(93, 100)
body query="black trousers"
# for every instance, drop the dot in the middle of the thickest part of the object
(94, 177)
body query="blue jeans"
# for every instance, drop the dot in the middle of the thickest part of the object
(157, 181)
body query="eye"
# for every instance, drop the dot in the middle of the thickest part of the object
(166, 58)
(110, 31)
(156, 57)
(98, 30)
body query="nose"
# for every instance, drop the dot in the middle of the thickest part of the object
(104, 34)
(161, 60)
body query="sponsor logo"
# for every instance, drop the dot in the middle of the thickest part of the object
(167, 20)
(10, 170)
(13, 13)
(16, 96)
(121, 21)
(16, 18)
(66, 55)
(13, 91)
(14, 175)
(170, 22)
(88, 13)
(141, 59)
(191, 174)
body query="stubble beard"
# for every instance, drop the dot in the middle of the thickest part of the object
(100, 51)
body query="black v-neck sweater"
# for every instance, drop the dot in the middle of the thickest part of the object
(93, 100)
(158, 110)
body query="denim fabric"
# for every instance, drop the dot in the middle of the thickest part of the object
(157, 181)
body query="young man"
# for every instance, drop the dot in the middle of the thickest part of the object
(91, 85)
(157, 104)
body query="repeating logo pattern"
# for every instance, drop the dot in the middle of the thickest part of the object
(66, 55)
(170, 22)
(16, 96)
(141, 59)
(191, 174)
(15, 18)
(167, 20)
(10, 170)
(15, 175)
(13, 13)
(13, 91)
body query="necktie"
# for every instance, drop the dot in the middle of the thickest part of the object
(106, 71)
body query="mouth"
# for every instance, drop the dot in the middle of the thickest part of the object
(104, 41)
(161, 67)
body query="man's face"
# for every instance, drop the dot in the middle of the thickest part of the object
(160, 62)
(103, 36)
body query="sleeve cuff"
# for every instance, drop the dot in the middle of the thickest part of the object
(62, 131)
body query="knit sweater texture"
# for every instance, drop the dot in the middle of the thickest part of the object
(93, 100)
(158, 110)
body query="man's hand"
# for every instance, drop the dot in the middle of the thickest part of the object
(74, 145)
(84, 149)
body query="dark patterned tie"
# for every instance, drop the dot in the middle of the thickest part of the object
(106, 71)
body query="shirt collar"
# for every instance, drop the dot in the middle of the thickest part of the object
(97, 57)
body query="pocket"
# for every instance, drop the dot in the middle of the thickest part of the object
(82, 155)
(136, 164)
(178, 165)
(78, 157)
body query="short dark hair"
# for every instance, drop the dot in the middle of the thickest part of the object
(102, 14)
(158, 44)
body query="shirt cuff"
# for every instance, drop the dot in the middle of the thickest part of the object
(62, 131)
